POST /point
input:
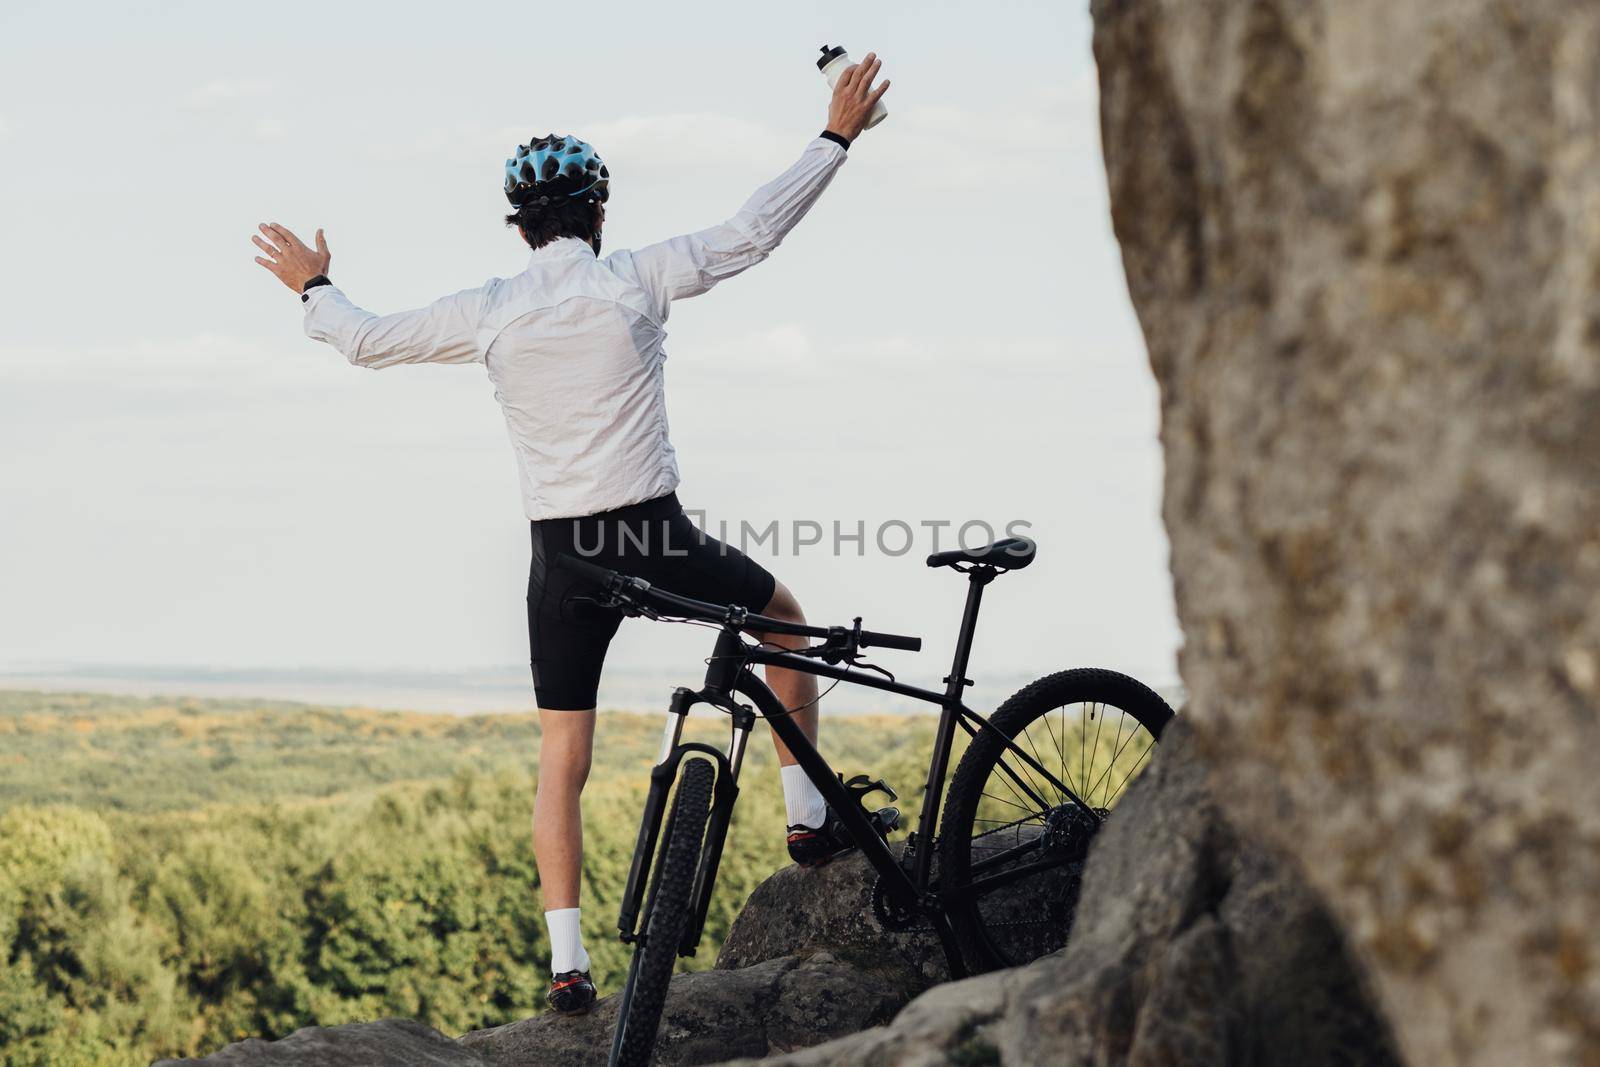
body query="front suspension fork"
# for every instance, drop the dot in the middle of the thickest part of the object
(671, 754)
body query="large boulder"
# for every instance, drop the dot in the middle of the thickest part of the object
(1363, 241)
(800, 910)
(1194, 944)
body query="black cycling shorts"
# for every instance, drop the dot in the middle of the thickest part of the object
(568, 633)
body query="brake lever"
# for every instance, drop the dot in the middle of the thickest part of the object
(611, 602)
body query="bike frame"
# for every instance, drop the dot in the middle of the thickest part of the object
(728, 676)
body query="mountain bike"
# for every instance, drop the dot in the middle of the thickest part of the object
(1036, 782)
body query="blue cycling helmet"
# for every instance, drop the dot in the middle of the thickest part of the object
(555, 166)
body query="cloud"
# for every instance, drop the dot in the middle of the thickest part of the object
(630, 144)
(1043, 127)
(5, 127)
(692, 139)
(162, 362)
(959, 149)
(806, 353)
(225, 91)
(269, 129)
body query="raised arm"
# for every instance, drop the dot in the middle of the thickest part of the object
(443, 332)
(690, 265)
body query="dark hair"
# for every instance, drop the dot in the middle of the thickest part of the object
(564, 216)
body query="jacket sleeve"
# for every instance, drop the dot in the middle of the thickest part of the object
(443, 332)
(690, 265)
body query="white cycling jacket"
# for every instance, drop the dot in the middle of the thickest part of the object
(574, 344)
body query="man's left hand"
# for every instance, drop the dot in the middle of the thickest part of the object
(288, 257)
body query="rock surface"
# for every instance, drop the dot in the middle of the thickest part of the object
(1193, 945)
(1363, 242)
(797, 911)
(772, 1007)
(379, 1044)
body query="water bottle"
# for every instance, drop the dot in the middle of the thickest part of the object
(833, 63)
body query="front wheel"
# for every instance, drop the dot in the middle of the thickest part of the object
(1020, 815)
(669, 915)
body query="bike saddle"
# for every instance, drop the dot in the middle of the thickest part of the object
(1006, 554)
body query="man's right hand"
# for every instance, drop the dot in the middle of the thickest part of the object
(288, 258)
(854, 96)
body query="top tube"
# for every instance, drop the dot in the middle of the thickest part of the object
(636, 591)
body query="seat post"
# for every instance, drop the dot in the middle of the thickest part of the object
(977, 578)
(954, 684)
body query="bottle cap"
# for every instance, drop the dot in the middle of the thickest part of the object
(829, 54)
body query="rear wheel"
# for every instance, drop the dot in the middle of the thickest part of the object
(669, 913)
(1015, 836)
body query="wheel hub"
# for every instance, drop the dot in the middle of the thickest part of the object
(1068, 829)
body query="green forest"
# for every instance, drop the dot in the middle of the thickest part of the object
(179, 874)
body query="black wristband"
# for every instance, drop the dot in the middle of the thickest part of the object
(321, 279)
(837, 138)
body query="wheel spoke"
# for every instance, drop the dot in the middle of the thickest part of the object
(1003, 800)
(1032, 817)
(1012, 776)
(1001, 763)
(1142, 757)
(1033, 764)
(1051, 729)
(1116, 747)
(1027, 734)
(1061, 748)
(1083, 733)
(1118, 751)
(1096, 750)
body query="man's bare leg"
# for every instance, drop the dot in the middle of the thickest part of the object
(566, 747)
(794, 688)
(805, 809)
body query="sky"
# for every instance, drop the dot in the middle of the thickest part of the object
(185, 478)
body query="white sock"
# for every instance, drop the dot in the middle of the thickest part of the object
(566, 943)
(800, 797)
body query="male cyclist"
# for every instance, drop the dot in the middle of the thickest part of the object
(574, 348)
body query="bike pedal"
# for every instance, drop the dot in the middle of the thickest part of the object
(886, 821)
(861, 787)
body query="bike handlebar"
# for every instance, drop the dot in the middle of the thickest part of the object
(876, 640)
(596, 574)
(630, 589)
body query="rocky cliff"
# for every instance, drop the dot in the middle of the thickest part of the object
(1363, 241)
(1193, 945)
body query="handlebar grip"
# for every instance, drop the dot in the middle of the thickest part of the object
(591, 571)
(905, 644)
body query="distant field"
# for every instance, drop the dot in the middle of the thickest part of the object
(176, 874)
